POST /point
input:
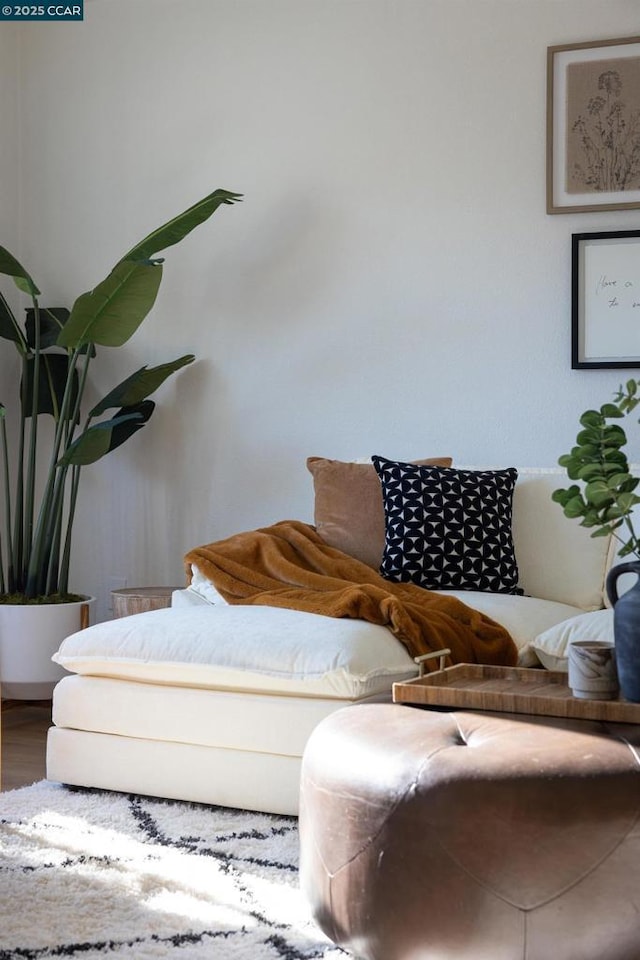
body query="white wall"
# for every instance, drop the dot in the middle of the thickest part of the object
(391, 282)
(9, 169)
(10, 192)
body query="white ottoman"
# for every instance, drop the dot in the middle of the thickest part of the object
(212, 704)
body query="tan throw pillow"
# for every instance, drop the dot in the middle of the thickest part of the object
(349, 513)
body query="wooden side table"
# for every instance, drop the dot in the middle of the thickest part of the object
(140, 599)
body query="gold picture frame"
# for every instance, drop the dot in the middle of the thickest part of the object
(593, 126)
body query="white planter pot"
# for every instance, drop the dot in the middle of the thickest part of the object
(29, 636)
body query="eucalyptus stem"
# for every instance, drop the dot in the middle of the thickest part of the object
(604, 498)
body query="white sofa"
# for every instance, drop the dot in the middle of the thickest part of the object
(215, 703)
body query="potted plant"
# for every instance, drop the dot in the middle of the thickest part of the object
(40, 471)
(604, 500)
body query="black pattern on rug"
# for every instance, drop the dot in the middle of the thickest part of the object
(100, 874)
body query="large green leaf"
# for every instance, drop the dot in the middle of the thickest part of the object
(174, 230)
(101, 438)
(52, 320)
(9, 329)
(112, 312)
(126, 427)
(140, 385)
(12, 268)
(53, 371)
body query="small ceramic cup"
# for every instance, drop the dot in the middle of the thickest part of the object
(592, 670)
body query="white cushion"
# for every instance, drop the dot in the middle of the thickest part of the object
(233, 720)
(242, 648)
(551, 646)
(557, 558)
(188, 598)
(200, 588)
(523, 617)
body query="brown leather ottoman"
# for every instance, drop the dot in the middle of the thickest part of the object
(476, 836)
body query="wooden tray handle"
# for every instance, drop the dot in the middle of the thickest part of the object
(443, 654)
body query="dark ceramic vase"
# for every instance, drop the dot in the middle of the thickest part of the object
(626, 629)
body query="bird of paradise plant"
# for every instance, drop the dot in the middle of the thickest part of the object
(56, 348)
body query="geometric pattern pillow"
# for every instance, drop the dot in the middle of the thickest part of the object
(448, 529)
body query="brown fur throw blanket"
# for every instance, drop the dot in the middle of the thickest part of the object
(289, 565)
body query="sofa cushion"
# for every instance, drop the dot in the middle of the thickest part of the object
(551, 646)
(348, 511)
(557, 558)
(242, 648)
(524, 617)
(448, 528)
(200, 590)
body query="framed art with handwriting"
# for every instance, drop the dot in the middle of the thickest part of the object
(605, 299)
(593, 126)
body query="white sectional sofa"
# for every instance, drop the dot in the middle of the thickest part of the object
(214, 703)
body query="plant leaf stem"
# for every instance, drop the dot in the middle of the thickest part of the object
(7, 507)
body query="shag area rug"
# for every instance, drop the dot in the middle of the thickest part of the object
(95, 875)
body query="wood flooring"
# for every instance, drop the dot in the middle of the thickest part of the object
(23, 736)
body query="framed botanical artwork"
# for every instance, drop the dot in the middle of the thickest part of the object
(605, 299)
(593, 126)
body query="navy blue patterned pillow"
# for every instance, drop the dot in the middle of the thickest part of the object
(448, 529)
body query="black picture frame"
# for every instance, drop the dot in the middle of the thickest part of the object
(605, 300)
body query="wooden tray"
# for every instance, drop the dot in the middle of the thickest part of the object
(510, 690)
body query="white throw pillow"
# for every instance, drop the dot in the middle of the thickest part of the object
(523, 617)
(551, 646)
(203, 588)
(557, 558)
(263, 649)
